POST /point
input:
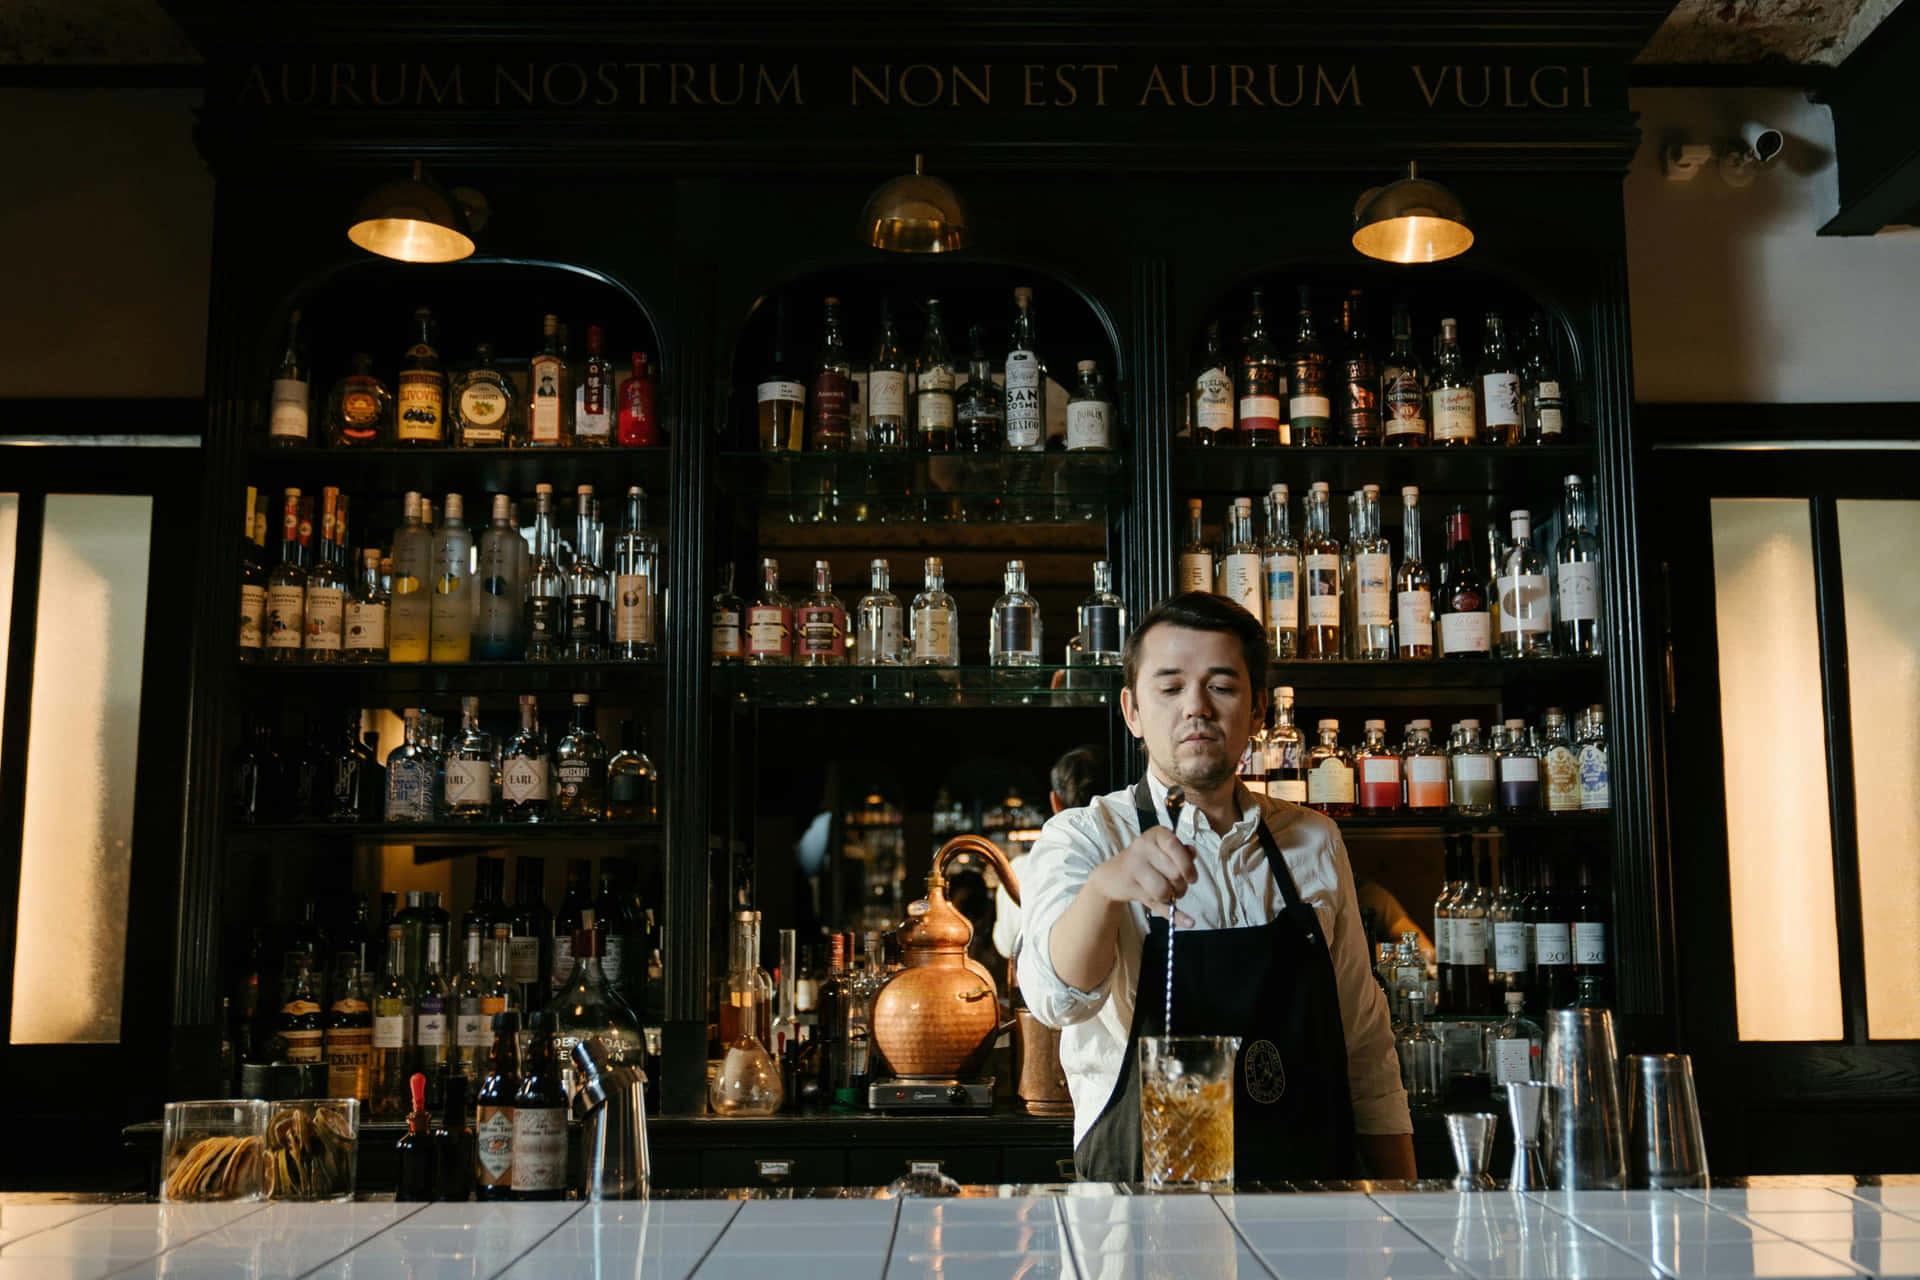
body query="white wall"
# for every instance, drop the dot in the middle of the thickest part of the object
(1735, 298)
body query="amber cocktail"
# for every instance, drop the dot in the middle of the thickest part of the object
(1186, 1111)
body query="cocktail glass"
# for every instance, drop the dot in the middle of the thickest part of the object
(1186, 1111)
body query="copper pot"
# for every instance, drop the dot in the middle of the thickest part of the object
(938, 1017)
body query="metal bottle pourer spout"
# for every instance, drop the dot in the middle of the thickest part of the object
(617, 1161)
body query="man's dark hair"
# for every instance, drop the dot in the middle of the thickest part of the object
(1079, 775)
(1201, 611)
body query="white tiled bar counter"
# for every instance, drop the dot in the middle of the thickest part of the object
(1086, 1232)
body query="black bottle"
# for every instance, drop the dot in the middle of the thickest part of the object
(530, 945)
(418, 1163)
(1589, 920)
(349, 795)
(493, 1106)
(1553, 972)
(540, 1120)
(257, 778)
(454, 1144)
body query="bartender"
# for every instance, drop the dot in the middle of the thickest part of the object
(1270, 944)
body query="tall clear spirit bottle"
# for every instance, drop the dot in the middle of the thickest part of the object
(1280, 575)
(1373, 584)
(470, 784)
(1455, 407)
(1577, 565)
(451, 625)
(935, 620)
(727, 618)
(412, 779)
(1526, 603)
(1014, 640)
(879, 640)
(1499, 375)
(1196, 556)
(770, 621)
(1210, 416)
(286, 602)
(1240, 567)
(1540, 387)
(499, 587)
(636, 585)
(526, 770)
(392, 1002)
(586, 586)
(410, 616)
(1413, 586)
(1403, 388)
(820, 624)
(365, 632)
(1321, 556)
(1261, 388)
(1310, 381)
(1103, 620)
(580, 768)
(326, 600)
(1026, 393)
(887, 388)
(933, 410)
(546, 610)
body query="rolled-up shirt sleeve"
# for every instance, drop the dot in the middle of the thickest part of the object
(1051, 876)
(1373, 1068)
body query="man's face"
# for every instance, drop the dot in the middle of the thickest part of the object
(1191, 705)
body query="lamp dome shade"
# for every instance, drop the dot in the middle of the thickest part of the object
(1411, 219)
(412, 220)
(915, 213)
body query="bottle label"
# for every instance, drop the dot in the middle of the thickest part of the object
(1442, 940)
(1548, 409)
(253, 615)
(1240, 581)
(483, 413)
(1303, 407)
(360, 409)
(769, 630)
(1323, 590)
(366, 625)
(524, 779)
(1593, 777)
(727, 638)
(1373, 588)
(1330, 782)
(1472, 768)
(1470, 942)
(469, 782)
(1100, 628)
(1026, 410)
(1427, 782)
(390, 1031)
(1406, 402)
(1260, 401)
(1380, 770)
(574, 779)
(1500, 392)
(1563, 779)
(934, 378)
(302, 1046)
(523, 959)
(288, 418)
(349, 1052)
(1213, 401)
(632, 609)
(933, 634)
(1453, 414)
(1510, 947)
(584, 619)
(1552, 944)
(1196, 571)
(409, 791)
(539, 1149)
(830, 396)
(823, 632)
(562, 961)
(613, 963)
(1589, 943)
(1512, 1061)
(1416, 618)
(546, 374)
(430, 1027)
(326, 607)
(1089, 424)
(1465, 633)
(1523, 604)
(284, 608)
(1519, 769)
(879, 638)
(1015, 627)
(886, 394)
(933, 407)
(471, 1031)
(493, 1145)
(543, 619)
(590, 423)
(1579, 591)
(422, 395)
(1282, 584)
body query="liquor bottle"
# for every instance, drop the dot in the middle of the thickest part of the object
(347, 1041)
(1014, 639)
(1517, 771)
(1240, 566)
(453, 607)
(1510, 930)
(887, 388)
(253, 588)
(833, 1012)
(586, 586)
(1286, 752)
(1403, 387)
(1210, 396)
(1470, 785)
(639, 423)
(935, 620)
(820, 624)
(1349, 604)
(1378, 768)
(879, 636)
(593, 407)
(290, 411)
(1545, 421)
(257, 780)
(472, 1032)
(359, 408)
(1594, 778)
(545, 627)
(1471, 991)
(1553, 971)
(298, 1025)
(980, 411)
(590, 1006)
(482, 401)
(364, 632)
(570, 919)
(1525, 602)
(580, 769)
(1589, 919)
(770, 621)
(1196, 556)
(409, 614)
(1425, 768)
(454, 1146)
(633, 783)
(612, 920)
(1102, 617)
(1280, 579)
(493, 1110)
(1320, 554)
(933, 407)
(780, 399)
(1577, 565)
(326, 598)
(1089, 413)
(423, 389)
(1026, 392)
(549, 395)
(636, 585)
(1373, 583)
(1514, 1055)
(728, 620)
(1559, 763)
(1422, 1058)
(829, 408)
(1310, 402)
(418, 1179)
(391, 1062)
(1252, 769)
(470, 795)
(1455, 415)
(1413, 586)
(1360, 416)
(1330, 774)
(540, 1120)
(1465, 626)
(526, 779)
(411, 777)
(529, 950)
(286, 595)
(1261, 387)
(499, 587)
(748, 1005)
(356, 785)
(1499, 386)
(1453, 881)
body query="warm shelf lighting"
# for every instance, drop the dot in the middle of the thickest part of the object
(413, 220)
(1411, 220)
(914, 213)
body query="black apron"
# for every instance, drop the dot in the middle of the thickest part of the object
(1273, 986)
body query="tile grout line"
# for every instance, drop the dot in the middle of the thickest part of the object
(887, 1260)
(263, 1206)
(1241, 1236)
(550, 1233)
(1066, 1237)
(1741, 1215)
(713, 1244)
(363, 1239)
(55, 1226)
(1446, 1255)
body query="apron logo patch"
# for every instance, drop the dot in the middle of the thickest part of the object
(1266, 1078)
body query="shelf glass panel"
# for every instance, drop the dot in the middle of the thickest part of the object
(1048, 686)
(1472, 469)
(471, 835)
(1308, 678)
(434, 678)
(919, 487)
(470, 472)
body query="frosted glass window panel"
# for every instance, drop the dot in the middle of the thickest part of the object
(9, 539)
(70, 954)
(1786, 951)
(1883, 675)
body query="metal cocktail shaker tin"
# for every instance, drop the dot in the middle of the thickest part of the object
(1586, 1150)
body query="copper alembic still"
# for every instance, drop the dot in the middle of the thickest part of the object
(936, 1020)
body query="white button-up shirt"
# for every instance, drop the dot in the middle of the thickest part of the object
(1236, 889)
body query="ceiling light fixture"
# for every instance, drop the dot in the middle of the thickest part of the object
(1411, 220)
(414, 220)
(914, 213)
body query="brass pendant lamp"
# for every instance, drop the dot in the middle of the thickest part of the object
(414, 220)
(914, 213)
(1411, 219)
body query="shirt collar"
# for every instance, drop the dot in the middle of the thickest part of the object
(1243, 799)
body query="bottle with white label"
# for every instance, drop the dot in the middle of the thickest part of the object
(770, 621)
(1403, 388)
(545, 627)
(1498, 376)
(365, 630)
(1540, 387)
(1196, 556)
(1309, 381)
(1014, 639)
(286, 590)
(1210, 407)
(1261, 389)
(594, 405)
(1026, 381)
(253, 587)
(1559, 763)
(935, 620)
(1412, 586)
(880, 633)
(409, 618)
(1515, 1056)
(392, 1002)
(1103, 625)
(450, 627)
(636, 585)
(1280, 578)
(1553, 986)
(526, 770)
(887, 388)
(1286, 752)
(1320, 562)
(1453, 884)
(780, 397)
(326, 600)
(412, 776)
(1455, 406)
(1577, 567)
(539, 1158)
(1089, 411)
(728, 619)
(549, 398)
(1466, 627)
(1240, 568)
(290, 415)
(1512, 941)
(1526, 603)
(431, 1013)
(1471, 910)
(470, 794)
(472, 1029)
(1373, 583)
(1470, 781)
(1424, 766)
(1329, 768)
(933, 403)
(820, 624)
(1378, 768)
(1518, 767)
(1588, 921)
(1594, 788)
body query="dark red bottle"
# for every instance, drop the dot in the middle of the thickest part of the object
(639, 425)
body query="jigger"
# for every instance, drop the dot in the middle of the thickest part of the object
(1526, 1105)
(1472, 1137)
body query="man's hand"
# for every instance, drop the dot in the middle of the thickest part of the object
(1154, 871)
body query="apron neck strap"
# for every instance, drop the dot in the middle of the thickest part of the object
(1149, 814)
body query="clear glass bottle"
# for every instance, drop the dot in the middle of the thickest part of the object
(392, 1003)
(636, 585)
(550, 397)
(887, 388)
(1577, 567)
(594, 407)
(1330, 786)
(359, 408)
(748, 1082)
(546, 608)
(1253, 761)
(526, 770)
(472, 1033)
(253, 586)
(1470, 773)
(820, 624)
(586, 586)
(452, 608)
(1280, 576)
(499, 587)
(1526, 603)
(1469, 935)
(1015, 640)
(786, 1012)
(727, 614)
(1514, 1055)
(290, 409)
(1089, 412)
(1403, 388)
(286, 595)
(1026, 389)
(770, 621)
(1378, 767)
(1240, 576)
(1360, 409)
(830, 406)
(1286, 752)
(1453, 883)
(326, 597)
(879, 640)
(1412, 586)
(411, 776)
(1196, 555)
(483, 403)
(1499, 377)
(935, 621)
(1349, 613)
(981, 408)
(1517, 768)
(432, 1008)
(1210, 410)
(1373, 583)
(1309, 381)
(1450, 392)
(933, 407)
(1422, 1071)
(1512, 940)
(410, 609)
(580, 768)
(1320, 635)
(422, 420)
(1540, 387)
(1595, 788)
(1466, 626)
(1102, 617)
(1559, 763)
(588, 1005)
(470, 784)
(1261, 388)
(633, 781)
